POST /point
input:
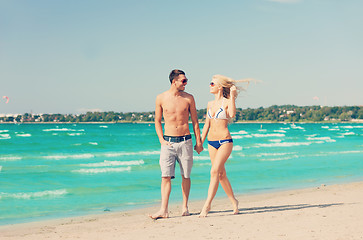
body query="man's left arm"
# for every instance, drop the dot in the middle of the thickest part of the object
(194, 116)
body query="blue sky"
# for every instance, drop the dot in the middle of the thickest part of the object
(75, 56)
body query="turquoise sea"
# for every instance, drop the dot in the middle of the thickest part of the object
(60, 170)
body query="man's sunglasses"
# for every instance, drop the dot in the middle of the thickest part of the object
(211, 84)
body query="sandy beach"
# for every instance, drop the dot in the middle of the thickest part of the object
(324, 212)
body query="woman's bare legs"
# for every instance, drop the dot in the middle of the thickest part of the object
(218, 174)
(226, 185)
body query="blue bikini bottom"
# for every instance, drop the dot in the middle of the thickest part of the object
(217, 144)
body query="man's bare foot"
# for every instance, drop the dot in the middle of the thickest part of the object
(160, 214)
(185, 212)
(204, 211)
(235, 207)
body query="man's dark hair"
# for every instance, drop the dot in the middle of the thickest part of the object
(174, 74)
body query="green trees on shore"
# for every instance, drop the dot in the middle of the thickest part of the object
(284, 113)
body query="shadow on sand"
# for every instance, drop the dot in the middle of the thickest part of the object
(278, 208)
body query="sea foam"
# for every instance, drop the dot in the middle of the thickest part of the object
(10, 158)
(239, 132)
(237, 148)
(102, 170)
(279, 158)
(29, 195)
(5, 136)
(23, 135)
(107, 163)
(283, 144)
(63, 130)
(269, 135)
(72, 156)
(118, 154)
(326, 139)
(201, 158)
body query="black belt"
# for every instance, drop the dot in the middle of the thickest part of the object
(177, 139)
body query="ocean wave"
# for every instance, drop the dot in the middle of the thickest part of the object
(118, 154)
(348, 152)
(93, 143)
(283, 144)
(1, 167)
(42, 194)
(269, 135)
(76, 156)
(63, 130)
(74, 134)
(102, 170)
(280, 131)
(297, 127)
(10, 158)
(201, 158)
(5, 136)
(348, 133)
(103, 126)
(326, 139)
(351, 127)
(275, 154)
(345, 152)
(275, 140)
(205, 164)
(240, 132)
(337, 153)
(237, 148)
(23, 135)
(107, 163)
(92, 155)
(279, 158)
(240, 137)
(4, 131)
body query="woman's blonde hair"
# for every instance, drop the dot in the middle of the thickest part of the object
(227, 83)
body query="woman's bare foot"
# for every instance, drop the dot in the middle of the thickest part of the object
(160, 214)
(235, 207)
(204, 211)
(185, 212)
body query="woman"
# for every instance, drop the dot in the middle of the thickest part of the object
(220, 141)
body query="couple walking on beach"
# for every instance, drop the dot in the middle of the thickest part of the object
(175, 105)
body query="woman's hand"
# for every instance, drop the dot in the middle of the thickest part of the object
(233, 92)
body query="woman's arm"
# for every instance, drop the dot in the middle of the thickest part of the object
(232, 102)
(205, 128)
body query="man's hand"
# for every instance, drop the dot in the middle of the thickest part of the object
(198, 148)
(163, 142)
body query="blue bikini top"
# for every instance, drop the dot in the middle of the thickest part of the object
(220, 114)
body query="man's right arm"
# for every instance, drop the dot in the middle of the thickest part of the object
(158, 117)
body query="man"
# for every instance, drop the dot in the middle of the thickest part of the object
(175, 105)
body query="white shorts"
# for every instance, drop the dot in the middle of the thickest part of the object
(181, 152)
